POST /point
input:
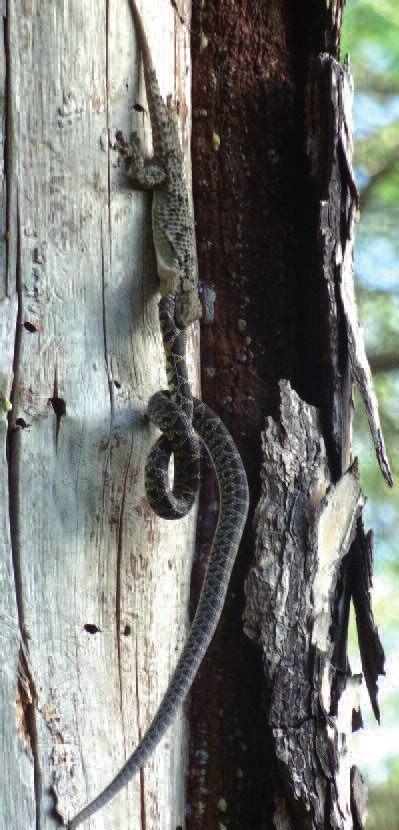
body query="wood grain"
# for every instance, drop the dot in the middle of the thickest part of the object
(99, 584)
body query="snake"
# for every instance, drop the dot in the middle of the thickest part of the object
(185, 421)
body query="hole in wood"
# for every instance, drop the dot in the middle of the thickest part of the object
(127, 630)
(29, 327)
(91, 628)
(117, 384)
(20, 422)
(59, 406)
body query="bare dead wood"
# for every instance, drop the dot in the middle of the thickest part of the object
(359, 362)
(94, 586)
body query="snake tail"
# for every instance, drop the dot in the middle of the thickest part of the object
(233, 509)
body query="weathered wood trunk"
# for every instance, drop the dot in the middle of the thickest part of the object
(95, 588)
(93, 607)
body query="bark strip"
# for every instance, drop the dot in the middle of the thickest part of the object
(305, 526)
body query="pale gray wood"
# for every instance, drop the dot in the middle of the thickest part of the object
(16, 768)
(87, 549)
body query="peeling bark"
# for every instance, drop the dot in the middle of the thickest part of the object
(304, 528)
(371, 651)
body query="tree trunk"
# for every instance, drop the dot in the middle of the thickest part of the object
(275, 204)
(95, 588)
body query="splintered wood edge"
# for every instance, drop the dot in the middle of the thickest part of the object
(331, 537)
(370, 646)
(361, 370)
(360, 366)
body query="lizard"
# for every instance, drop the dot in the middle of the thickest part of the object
(163, 174)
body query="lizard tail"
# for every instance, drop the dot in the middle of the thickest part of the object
(142, 38)
(158, 112)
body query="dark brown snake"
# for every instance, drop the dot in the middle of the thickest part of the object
(181, 418)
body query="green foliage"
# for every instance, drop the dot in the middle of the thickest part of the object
(372, 152)
(384, 798)
(379, 315)
(377, 163)
(371, 37)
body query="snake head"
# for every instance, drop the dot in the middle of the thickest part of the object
(188, 308)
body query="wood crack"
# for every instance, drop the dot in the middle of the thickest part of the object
(143, 822)
(12, 443)
(119, 546)
(106, 360)
(107, 118)
(13, 461)
(8, 143)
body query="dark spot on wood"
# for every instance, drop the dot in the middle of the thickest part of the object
(117, 384)
(91, 628)
(127, 630)
(20, 422)
(138, 108)
(29, 327)
(183, 22)
(59, 406)
(357, 720)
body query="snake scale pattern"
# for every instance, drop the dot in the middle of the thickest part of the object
(171, 412)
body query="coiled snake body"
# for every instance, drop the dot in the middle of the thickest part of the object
(171, 412)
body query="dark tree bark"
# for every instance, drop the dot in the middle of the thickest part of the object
(275, 203)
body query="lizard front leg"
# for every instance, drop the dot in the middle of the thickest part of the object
(144, 173)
